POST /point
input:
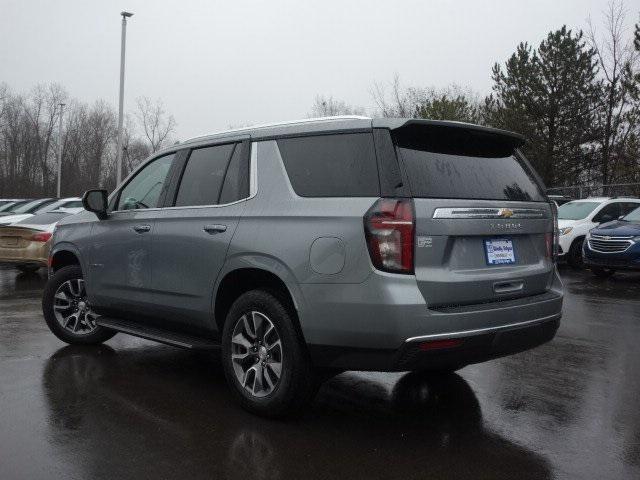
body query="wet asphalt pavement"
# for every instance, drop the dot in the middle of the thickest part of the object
(135, 409)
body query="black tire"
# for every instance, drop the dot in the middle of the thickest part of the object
(28, 268)
(602, 272)
(574, 257)
(98, 335)
(297, 383)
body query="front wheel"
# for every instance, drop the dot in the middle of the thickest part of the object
(67, 311)
(602, 272)
(265, 362)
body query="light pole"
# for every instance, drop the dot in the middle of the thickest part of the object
(60, 149)
(125, 15)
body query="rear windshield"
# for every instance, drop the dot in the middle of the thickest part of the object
(576, 210)
(445, 162)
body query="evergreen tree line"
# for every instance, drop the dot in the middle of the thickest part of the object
(575, 97)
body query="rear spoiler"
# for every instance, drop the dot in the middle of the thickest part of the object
(515, 140)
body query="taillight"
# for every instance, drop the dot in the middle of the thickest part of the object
(389, 227)
(41, 237)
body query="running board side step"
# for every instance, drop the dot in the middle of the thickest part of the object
(167, 337)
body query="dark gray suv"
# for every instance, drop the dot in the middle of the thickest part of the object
(303, 249)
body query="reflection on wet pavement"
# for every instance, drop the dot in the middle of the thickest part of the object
(134, 409)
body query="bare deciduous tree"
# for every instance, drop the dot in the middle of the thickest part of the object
(330, 107)
(618, 60)
(156, 124)
(400, 103)
(29, 137)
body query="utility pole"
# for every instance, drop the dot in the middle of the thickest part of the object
(60, 150)
(125, 15)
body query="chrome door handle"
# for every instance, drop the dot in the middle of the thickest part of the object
(142, 228)
(213, 229)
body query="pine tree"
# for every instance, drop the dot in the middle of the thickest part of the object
(548, 94)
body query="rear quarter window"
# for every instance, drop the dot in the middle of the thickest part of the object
(341, 165)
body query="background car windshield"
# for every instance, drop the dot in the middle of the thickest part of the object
(633, 216)
(576, 210)
(60, 203)
(10, 206)
(27, 207)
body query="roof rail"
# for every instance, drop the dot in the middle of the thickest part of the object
(279, 124)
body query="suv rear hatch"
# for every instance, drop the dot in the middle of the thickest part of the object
(483, 225)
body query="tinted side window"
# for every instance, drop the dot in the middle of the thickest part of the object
(331, 165)
(236, 183)
(143, 191)
(202, 178)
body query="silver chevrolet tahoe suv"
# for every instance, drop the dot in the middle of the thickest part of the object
(303, 249)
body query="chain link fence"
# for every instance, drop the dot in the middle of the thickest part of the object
(609, 190)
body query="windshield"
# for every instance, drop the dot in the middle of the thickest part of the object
(9, 207)
(59, 204)
(576, 210)
(633, 216)
(30, 207)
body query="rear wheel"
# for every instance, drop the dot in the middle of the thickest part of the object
(67, 310)
(602, 272)
(265, 362)
(574, 257)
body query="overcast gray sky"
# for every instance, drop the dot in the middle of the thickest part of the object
(220, 63)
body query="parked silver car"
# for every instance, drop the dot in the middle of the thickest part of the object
(317, 246)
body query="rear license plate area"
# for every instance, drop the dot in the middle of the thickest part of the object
(499, 251)
(9, 241)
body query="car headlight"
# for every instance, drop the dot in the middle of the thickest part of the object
(636, 239)
(565, 230)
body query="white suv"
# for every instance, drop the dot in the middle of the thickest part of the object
(576, 218)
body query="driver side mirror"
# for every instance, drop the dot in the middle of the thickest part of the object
(96, 201)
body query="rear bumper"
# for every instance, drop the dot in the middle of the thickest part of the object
(474, 347)
(375, 325)
(33, 253)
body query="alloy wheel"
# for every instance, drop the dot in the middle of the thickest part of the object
(256, 354)
(71, 308)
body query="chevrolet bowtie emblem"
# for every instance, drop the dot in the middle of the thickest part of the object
(505, 213)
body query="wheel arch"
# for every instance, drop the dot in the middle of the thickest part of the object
(63, 255)
(241, 275)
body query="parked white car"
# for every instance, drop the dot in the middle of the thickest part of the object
(63, 203)
(577, 217)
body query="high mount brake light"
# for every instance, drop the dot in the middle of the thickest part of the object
(389, 227)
